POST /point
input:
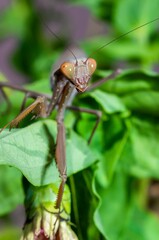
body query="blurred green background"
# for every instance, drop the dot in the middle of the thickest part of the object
(117, 197)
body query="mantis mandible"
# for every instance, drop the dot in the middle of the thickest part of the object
(72, 76)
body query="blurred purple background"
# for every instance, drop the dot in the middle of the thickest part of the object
(73, 22)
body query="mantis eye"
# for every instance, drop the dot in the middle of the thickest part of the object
(67, 69)
(91, 65)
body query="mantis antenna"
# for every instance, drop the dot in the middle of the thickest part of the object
(123, 35)
(57, 37)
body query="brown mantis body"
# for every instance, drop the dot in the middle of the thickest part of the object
(68, 79)
(72, 76)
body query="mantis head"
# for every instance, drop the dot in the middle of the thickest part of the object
(79, 73)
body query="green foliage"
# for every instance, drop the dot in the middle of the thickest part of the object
(10, 182)
(109, 180)
(9, 233)
(36, 144)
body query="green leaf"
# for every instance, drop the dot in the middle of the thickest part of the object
(109, 102)
(10, 181)
(84, 203)
(141, 154)
(113, 204)
(31, 150)
(116, 139)
(119, 215)
(146, 102)
(130, 81)
(140, 225)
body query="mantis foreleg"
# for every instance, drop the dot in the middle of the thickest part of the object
(38, 107)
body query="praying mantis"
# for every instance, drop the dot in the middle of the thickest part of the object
(71, 77)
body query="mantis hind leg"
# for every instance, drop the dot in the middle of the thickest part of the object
(27, 95)
(4, 95)
(97, 113)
